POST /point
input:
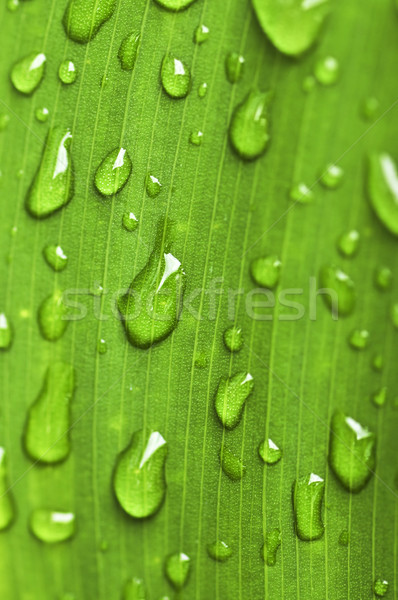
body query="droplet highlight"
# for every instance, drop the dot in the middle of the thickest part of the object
(6, 332)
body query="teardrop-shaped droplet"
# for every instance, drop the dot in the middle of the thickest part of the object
(219, 551)
(352, 452)
(269, 452)
(175, 76)
(153, 186)
(177, 569)
(52, 186)
(139, 481)
(6, 333)
(27, 73)
(202, 90)
(338, 290)
(233, 338)
(231, 396)
(293, 26)
(67, 72)
(300, 192)
(332, 177)
(232, 465)
(359, 339)
(46, 437)
(7, 506)
(151, 307)
(113, 172)
(249, 128)
(128, 51)
(55, 257)
(52, 316)
(380, 587)
(383, 190)
(83, 18)
(344, 537)
(234, 64)
(383, 278)
(379, 398)
(271, 545)
(348, 243)
(201, 34)
(175, 5)
(308, 495)
(130, 221)
(378, 362)
(52, 526)
(134, 589)
(327, 70)
(42, 113)
(265, 271)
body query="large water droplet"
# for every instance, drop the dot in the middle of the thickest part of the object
(308, 494)
(272, 542)
(134, 589)
(139, 481)
(339, 290)
(348, 243)
(176, 77)
(359, 339)
(231, 396)
(380, 587)
(327, 70)
(249, 128)
(28, 72)
(234, 65)
(233, 338)
(232, 465)
(113, 172)
(128, 51)
(219, 551)
(53, 317)
(55, 257)
(6, 333)
(177, 569)
(52, 186)
(175, 4)
(383, 190)
(83, 18)
(7, 507)
(269, 452)
(294, 26)
(51, 526)
(265, 271)
(46, 437)
(352, 452)
(67, 72)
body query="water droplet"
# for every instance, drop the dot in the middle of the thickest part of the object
(42, 114)
(380, 587)
(272, 543)
(201, 34)
(55, 257)
(83, 18)
(327, 70)
(13, 5)
(53, 184)
(249, 127)
(201, 360)
(359, 339)
(233, 338)
(265, 271)
(176, 77)
(231, 396)
(128, 51)
(348, 243)
(104, 546)
(294, 26)
(379, 398)
(202, 90)
(369, 108)
(175, 5)
(232, 465)
(269, 452)
(67, 72)
(153, 186)
(383, 278)
(139, 482)
(352, 452)
(4, 120)
(177, 569)
(7, 507)
(52, 526)
(383, 190)
(394, 315)
(308, 84)
(130, 221)
(378, 362)
(27, 73)
(46, 436)
(344, 538)
(308, 495)
(342, 298)
(332, 177)
(52, 317)
(219, 551)
(301, 193)
(102, 346)
(134, 589)
(196, 138)
(113, 172)
(6, 333)
(234, 65)
(151, 307)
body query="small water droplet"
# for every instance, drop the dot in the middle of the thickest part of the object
(52, 317)
(7, 506)
(196, 138)
(67, 72)
(348, 243)
(383, 278)
(369, 108)
(379, 398)
(308, 84)
(249, 128)
(4, 120)
(234, 66)
(113, 173)
(139, 482)
(344, 538)
(201, 360)
(102, 346)
(175, 76)
(27, 73)
(233, 338)
(153, 186)
(265, 271)
(52, 526)
(55, 257)
(130, 221)
(269, 452)
(359, 339)
(104, 546)
(134, 589)
(272, 543)
(378, 362)
(308, 495)
(42, 113)
(332, 177)
(83, 18)
(232, 465)
(327, 70)
(53, 185)
(380, 587)
(352, 452)
(46, 436)
(394, 315)
(202, 90)
(231, 396)
(177, 569)
(300, 192)
(128, 51)
(201, 34)
(6, 332)
(383, 190)
(219, 551)
(339, 288)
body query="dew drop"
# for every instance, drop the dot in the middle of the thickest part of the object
(344, 538)
(4, 120)
(383, 278)
(272, 543)
(394, 315)
(83, 18)
(201, 360)
(42, 114)
(27, 73)
(130, 221)
(219, 551)
(6, 332)
(338, 290)
(369, 108)
(102, 346)
(232, 465)
(348, 243)
(46, 437)
(327, 70)
(234, 66)
(196, 138)
(13, 5)
(139, 480)
(134, 589)
(359, 339)
(7, 506)
(67, 72)
(249, 128)
(231, 396)
(332, 177)
(233, 338)
(380, 587)
(269, 452)
(265, 271)
(379, 398)
(202, 90)
(378, 362)
(201, 34)
(52, 317)
(352, 452)
(55, 257)
(175, 76)
(52, 526)
(113, 173)
(175, 5)
(53, 185)
(128, 51)
(308, 495)
(177, 569)
(383, 190)
(153, 186)
(300, 192)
